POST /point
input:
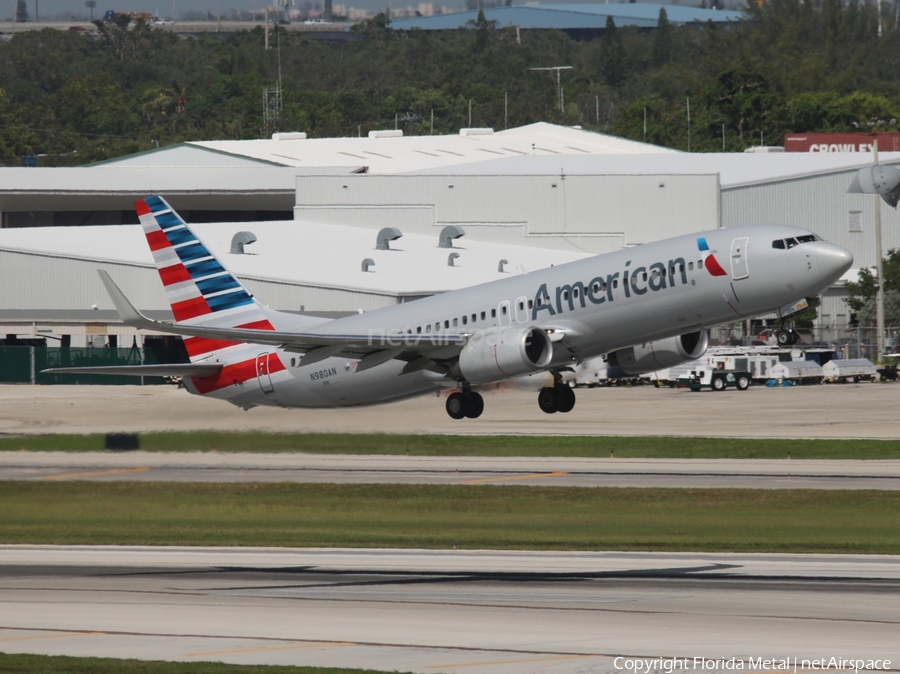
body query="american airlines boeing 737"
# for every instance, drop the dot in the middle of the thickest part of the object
(646, 308)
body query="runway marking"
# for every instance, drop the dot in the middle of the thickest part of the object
(509, 662)
(50, 636)
(97, 473)
(270, 648)
(558, 473)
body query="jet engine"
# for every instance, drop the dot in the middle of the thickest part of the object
(657, 355)
(496, 354)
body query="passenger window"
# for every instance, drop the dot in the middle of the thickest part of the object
(681, 267)
(531, 304)
(596, 287)
(575, 292)
(778, 243)
(645, 273)
(419, 330)
(699, 264)
(521, 306)
(428, 328)
(465, 320)
(503, 310)
(446, 324)
(293, 361)
(493, 313)
(437, 327)
(482, 315)
(566, 295)
(690, 268)
(474, 317)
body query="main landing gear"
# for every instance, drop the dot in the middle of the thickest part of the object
(556, 398)
(465, 404)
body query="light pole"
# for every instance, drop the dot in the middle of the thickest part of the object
(90, 4)
(559, 91)
(879, 270)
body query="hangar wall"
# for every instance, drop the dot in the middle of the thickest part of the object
(820, 204)
(590, 213)
(73, 283)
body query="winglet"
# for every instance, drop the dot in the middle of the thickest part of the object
(124, 307)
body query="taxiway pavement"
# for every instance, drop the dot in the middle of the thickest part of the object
(370, 469)
(445, 611)
(828, 411)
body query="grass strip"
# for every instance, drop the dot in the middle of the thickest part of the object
(58, 664)
(476, 445)
(447, 516)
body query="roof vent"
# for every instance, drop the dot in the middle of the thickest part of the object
(386, 133)
(289, 135)
(241, 239)
(486, 131)
(500, 266)
(368, 262)
(385, 236)
(448, 233)
(451, 258)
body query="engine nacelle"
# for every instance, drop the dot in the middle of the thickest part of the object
(496, 354)
(661, 354)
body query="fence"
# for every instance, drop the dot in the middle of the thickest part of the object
(855, 342)
(23, 364)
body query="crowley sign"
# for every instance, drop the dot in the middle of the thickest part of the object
(840, 142)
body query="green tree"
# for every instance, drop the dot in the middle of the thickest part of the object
(861, 293)
(612, 55)
(747, 104)
(662, 39)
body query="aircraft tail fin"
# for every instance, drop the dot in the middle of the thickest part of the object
(200, 290)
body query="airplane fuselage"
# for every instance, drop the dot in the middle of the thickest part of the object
(593, 306)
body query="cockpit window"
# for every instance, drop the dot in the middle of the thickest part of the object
(782, 244)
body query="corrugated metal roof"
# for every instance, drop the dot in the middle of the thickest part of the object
(411, 153)
(571, 16)
(326, 256)
(140, 179)
(735, 169)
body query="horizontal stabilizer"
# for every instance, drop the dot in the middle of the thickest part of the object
(171, 370)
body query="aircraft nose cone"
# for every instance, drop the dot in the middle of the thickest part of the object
(833, 261)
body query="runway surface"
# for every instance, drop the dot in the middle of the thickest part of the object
(445, 611)
(361, 469)
(827, 411)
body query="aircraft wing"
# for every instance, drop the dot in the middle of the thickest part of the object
(170, 370)
(292, 341)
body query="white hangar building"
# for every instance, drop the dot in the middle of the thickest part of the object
(531, 196)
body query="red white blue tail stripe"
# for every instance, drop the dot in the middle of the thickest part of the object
(200, 290)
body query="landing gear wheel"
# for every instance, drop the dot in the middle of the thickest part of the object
(456, 406)
(547, 400)
(787, 337)
(743, 382)
(565, 399)
(474, 405)
(718, 384)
